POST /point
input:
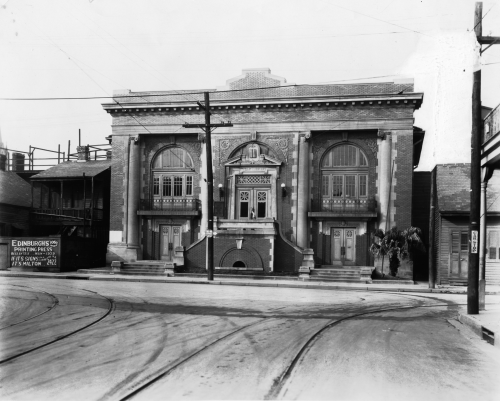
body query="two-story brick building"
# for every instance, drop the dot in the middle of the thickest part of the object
(303, 167)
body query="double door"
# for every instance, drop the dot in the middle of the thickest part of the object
(343, 246)
(253, 203)
(170, 237)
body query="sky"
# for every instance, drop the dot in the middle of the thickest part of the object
(88, 48)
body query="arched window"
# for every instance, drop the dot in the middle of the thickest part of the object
(172, 174)
(173, 157)
(344, 174)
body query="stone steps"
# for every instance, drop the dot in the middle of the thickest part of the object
(147, 268)
(337, 274)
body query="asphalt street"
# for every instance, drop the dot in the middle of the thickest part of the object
(96, 340)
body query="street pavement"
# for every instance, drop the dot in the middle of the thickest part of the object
(95, 339)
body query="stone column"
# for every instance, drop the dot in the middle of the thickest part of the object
(482, 246)
(134, 183)
(303, 192)
(384, 177)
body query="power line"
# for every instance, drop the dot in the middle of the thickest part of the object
(381, 20)
(484, 16)
(136, 94)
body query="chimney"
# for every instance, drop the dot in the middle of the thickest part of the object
(83, 153)
(108, 154)
(3, 162)
(17, 161)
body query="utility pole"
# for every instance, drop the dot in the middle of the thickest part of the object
(475, 196)
(207, 128)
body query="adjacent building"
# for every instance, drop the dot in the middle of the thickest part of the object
(304, 170)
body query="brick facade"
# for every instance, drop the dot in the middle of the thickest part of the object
(273, 118)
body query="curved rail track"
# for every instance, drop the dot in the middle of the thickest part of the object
(64, 336)
(284, 377)
(54, 304)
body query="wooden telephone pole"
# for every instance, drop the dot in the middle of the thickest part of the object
(207, 128)
(475, 195)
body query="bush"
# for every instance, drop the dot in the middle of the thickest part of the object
(397, 245)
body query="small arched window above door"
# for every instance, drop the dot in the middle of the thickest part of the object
(344, 174)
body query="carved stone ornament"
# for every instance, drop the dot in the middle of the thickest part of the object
(222, 146)
(372, 145)
(279, 144)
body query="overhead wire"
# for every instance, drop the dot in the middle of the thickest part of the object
(484, 16)
(137, 94)
(381, 20)
(128, 51)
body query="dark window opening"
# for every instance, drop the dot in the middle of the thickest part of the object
(239, 263)
(244, 209)
(261, 209)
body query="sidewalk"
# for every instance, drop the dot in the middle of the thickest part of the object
(486, 324)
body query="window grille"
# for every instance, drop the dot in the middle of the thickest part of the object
(253, 179)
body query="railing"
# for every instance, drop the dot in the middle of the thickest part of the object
(76, 214)
(345, 205)
(492, 124)
(181, 204)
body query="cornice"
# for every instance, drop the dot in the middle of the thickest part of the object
(411, 99)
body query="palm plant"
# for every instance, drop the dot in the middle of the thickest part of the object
(397, 245)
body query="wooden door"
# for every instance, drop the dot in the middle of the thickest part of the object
(343, 246)
(170, 237)
(459, 254)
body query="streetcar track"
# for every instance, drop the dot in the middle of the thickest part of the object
(63, 337)
(56, 302)
(280, 382)
(172, 368)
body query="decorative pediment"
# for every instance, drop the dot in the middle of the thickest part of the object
(244, 160)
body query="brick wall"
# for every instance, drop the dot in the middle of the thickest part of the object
(255, 253)
(269, 115)
(403, 178)
(118, 183)
(286, 91)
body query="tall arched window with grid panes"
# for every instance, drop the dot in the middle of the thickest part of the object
(172, 178)
(344, 178)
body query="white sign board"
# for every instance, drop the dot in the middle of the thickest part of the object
(474, 243)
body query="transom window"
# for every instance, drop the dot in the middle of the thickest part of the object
(345, 156)
(173, 157)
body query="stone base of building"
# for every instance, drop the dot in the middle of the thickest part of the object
(122, 252)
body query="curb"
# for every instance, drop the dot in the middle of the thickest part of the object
(478, 329)
(256, 283)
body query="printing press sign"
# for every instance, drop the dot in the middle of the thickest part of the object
(35, 252)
